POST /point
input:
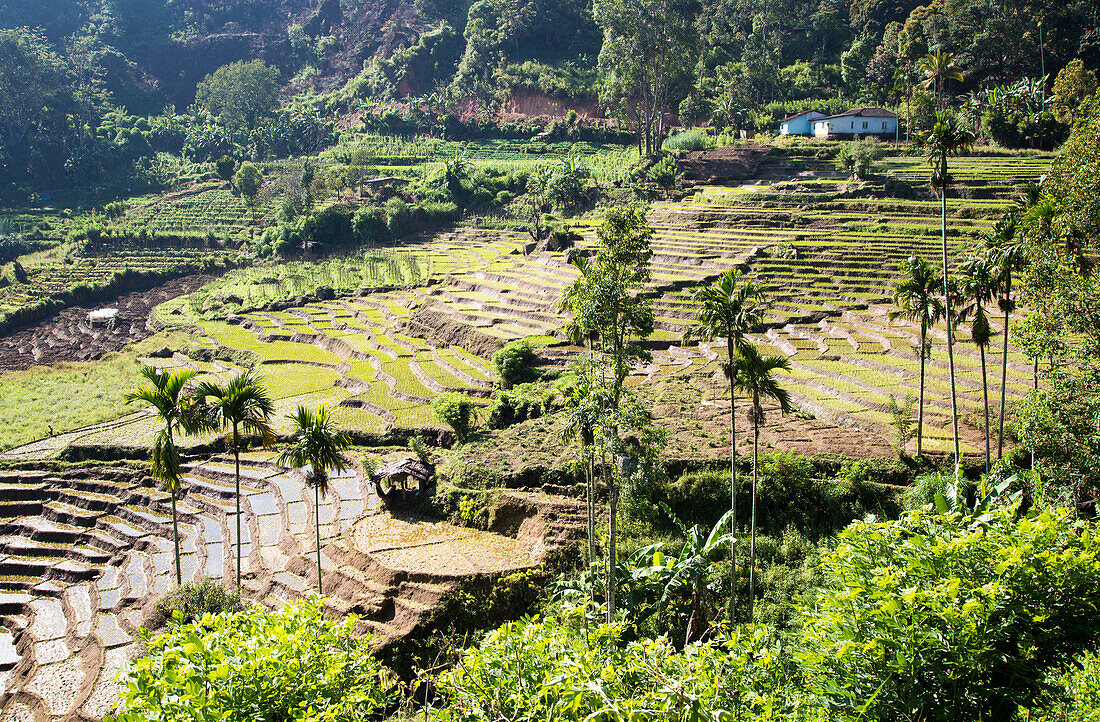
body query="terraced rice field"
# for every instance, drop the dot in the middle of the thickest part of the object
(85, 554)
(828, 258)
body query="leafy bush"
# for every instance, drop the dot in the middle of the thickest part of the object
(191, 601)
(225, 167)
(665, 173)
(513, 362)
(457, 411)
(859, 156)
(551, 668)
(292, 664)
(974, 609)
(691, 139)
(520, 403)
(1077, 693)
(11, 247)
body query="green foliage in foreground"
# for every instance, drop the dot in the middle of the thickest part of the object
(933, 617)
(286, 665)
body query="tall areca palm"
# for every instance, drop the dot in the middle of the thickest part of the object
(242, 404)
(980, 284)
(166, 395)
(916, 301)
(1007, 250)
(729, 310)
(948, 137)
(937, 68)
(316, 443)
(756, 378)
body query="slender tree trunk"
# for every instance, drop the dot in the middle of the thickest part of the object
(1004, 368)
(920, 403)
(176, 537)
(985, 406)
(752, 542)
(237, 477)
(947, 312)
(733, 482)
(591, 499)
(1035, 386)
(613, 507)
(317, 529)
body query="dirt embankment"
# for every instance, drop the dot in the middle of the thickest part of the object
(69, 335)
(725, 164)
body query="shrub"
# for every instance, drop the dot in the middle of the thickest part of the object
(859, 156)
(665, 173)
(286, 665)
(457, 411)
(191, 601)
(369, 225)
(952, 616)
(513, 363)
(691, 139)
(520, 403)
(225, 167)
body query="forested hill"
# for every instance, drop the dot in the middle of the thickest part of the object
(90, 88)
(146, 53)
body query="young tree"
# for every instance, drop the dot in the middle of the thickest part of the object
(167, 395)
(730, 310)
(1008, 252)
(316, 443)
(756, 378)
(948, 137)
(979, 285)
(249, 180)
(915, 300)
(607, 307)
(242, 404)
(240, 93)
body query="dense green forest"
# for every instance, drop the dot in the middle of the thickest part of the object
(93, 91)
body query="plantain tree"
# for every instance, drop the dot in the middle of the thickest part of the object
(756, 378)
(316, 443)
(167, 395)
(241, 404)
(950, 136)
(729, 310)
(915, 300)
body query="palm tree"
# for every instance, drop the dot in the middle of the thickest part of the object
(729, 310)
(173, 407)
(316, 443)
(916, 301)
(1008, 253)
(980, 285)
(242, 404)
(756, 378)
(948, 137)
(938, 67)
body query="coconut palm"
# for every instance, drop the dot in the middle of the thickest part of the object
(242, 404)
(756, 378)
(979, 284)
(937, 68)
(1007, 251)
(916, 301)
(173, 407)
(948, 137)
(729, 310)
(316, 443)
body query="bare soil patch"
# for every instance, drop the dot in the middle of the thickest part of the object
(69, 335)
(725, 164)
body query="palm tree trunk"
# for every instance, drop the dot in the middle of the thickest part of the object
(920, 403)
(947, 313)
(733, 482)
(317, 529)
(752, 542)
(176, 537)
(1004, 369)
(237, 477)
(985, 406)
(1035, 385)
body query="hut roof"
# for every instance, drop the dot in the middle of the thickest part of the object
(409, 465)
